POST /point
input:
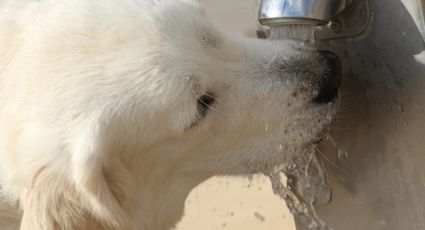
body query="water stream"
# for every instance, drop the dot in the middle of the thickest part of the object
(306, 183)
(301, 32)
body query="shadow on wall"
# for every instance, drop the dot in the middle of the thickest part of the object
(377, 171)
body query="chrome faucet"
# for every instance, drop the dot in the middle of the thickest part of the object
(316, 12)
(328, 19)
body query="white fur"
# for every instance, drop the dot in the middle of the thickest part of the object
(98, 109)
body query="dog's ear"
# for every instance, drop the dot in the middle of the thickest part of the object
(89, 158)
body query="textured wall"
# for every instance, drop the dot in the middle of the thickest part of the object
(381, 185)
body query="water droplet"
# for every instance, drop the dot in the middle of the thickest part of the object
(291, 167)
(342, 155)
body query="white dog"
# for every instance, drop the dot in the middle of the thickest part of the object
(112, 111)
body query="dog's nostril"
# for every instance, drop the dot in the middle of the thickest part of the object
(330, 80)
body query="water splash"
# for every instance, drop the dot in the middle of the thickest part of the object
(306, 185)
(342, 155)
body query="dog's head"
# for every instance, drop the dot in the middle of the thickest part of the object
(232, 104)
(164, 79)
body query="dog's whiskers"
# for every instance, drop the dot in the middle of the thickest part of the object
(308, 164)
(331, 162)
(330, 138)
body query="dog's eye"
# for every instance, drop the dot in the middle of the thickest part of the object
(204, 103)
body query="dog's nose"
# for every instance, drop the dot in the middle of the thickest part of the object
(330, 80)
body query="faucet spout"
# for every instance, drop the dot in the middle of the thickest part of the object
(315, 12)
